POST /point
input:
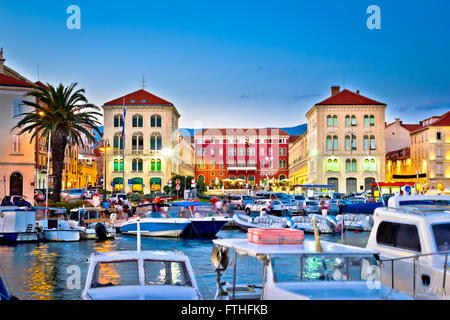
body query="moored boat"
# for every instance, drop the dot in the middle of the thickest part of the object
(91, 223)
(55, 226)
(140, 275)
(17, 225)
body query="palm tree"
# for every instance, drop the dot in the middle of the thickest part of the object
(61, 113)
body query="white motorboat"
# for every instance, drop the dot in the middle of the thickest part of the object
(56, 228)
(245, 222)
(91, 223)
(325, 224)
(361, 222)
(18, 225)
(302, 272)
(154, 224)
(140, 275)
(412, 235)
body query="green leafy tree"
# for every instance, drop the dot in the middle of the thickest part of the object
(201, 187)
(66, 114)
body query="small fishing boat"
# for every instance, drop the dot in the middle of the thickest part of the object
(205, 220)
(17, 225)
(56, 227)
(156, 224)
(360, 222)
(140, 275)
(91, 223)
(325, 224)
(265, 221)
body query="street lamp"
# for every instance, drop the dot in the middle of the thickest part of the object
(105, 146)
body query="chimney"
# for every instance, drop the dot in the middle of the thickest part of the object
(357, 91)
(2, 60)
(335, 90)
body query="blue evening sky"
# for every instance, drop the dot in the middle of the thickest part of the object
(238, 63)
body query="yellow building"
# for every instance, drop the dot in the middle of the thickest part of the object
(346, 141)
(17, 153)
(150, 143)
(399, 167)
(430, 152)
(298, 161)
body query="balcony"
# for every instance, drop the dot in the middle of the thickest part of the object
(241, 168)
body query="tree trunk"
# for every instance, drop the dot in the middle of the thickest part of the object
(59, 142)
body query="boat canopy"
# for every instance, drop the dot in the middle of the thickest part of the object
(244, 247)
(324, 186)
(186, 204)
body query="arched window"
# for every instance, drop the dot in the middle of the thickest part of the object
(351, 185)
(354, 142)
(347, 121)
(16, 184)
(353, 165)
(347, 142)
(335, 143)
(366, 121)
(372, 166)
(348, 165)
(372, 143)
(118, 162)
(366, 142)
(137, 142)
(329, 143)
(335, 119)
(372, 120)
(366, 165)
(155, 141)
(155, 121)
(329, 121)
(155, 165)
(118, 141)
(353, 121)
(118, 121)
(137, 165)
(138, 121)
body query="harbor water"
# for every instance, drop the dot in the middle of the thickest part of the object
(57, 271)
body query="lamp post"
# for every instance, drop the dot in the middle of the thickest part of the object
(104, 147)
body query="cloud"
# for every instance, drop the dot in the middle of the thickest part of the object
(306, 96)
(252, 96)
(427, 106)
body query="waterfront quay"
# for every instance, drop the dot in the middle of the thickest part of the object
(57, 271)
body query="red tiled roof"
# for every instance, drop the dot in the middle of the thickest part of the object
(443, 121)
(141, 97)
(40, 84)
(13, 82)
(411, 127)
(347, 97)
(241, 131)
(294, 138)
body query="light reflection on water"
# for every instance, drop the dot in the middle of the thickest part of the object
(39, 271)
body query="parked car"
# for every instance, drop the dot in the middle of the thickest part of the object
(15, 201)
(309, 206)
(295, 198)
(117, 196)
(39, 195)
(257, 206)
(241, 201)
(73, 195)
(284, 198)
(330, 205)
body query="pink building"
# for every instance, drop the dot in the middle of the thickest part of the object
(252, 155)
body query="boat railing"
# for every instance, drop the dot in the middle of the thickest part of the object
(415, 258)
(421, 211)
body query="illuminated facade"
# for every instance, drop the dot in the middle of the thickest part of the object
(346, 141)
(298, 160)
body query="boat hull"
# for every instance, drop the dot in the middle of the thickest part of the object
(62, 235)
(18, 237)
(172, 229)
(204, 227)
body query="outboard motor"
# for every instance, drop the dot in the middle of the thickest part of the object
(100, 231)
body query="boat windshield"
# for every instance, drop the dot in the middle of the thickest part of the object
(115, 273)
(204, 211)
(153, 214)
(441, 233)
(168, 273)
(323, 268)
